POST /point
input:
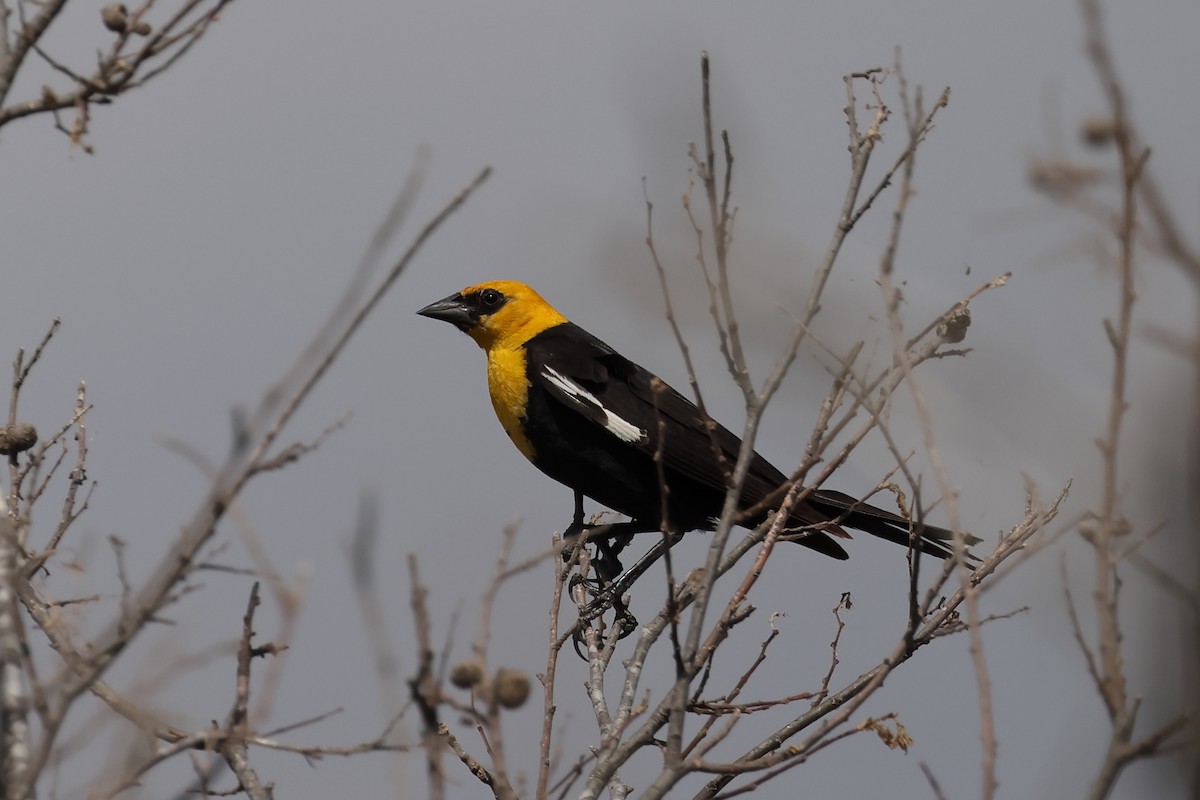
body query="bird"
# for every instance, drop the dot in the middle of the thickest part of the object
(613, 431)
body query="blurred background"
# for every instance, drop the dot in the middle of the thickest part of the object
(227, 204)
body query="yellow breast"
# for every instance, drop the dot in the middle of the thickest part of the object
(509, 389)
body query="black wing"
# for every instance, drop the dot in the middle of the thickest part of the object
(641, 410)
(643, 413)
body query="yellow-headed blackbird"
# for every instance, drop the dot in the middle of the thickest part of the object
(593, 420)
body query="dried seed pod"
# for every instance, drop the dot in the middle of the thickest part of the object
(17, 438)
(466, 674)
(953, 328)
(115, 17)
(511, 688)
(1098, 131)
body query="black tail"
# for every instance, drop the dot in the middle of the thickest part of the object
(850, 512)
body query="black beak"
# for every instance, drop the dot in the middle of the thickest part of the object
(450, 309)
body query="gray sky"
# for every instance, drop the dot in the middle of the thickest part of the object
(226, 204)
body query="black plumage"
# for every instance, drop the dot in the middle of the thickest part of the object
(578, 384)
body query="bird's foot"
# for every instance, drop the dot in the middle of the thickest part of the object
(603, 600)
(605, 595)
(624, 622)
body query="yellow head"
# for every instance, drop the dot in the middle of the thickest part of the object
(496, 314)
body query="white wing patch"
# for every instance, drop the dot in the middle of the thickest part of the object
(623, 429)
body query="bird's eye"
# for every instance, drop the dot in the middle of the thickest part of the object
(490, 298)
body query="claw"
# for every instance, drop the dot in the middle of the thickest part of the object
(612, 580)
(625, 622)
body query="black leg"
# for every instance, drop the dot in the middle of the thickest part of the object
(577, 527)
(610, 583)
(619, 583)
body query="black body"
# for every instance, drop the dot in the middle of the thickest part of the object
(697, 454)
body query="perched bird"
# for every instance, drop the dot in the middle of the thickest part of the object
(593, 420)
